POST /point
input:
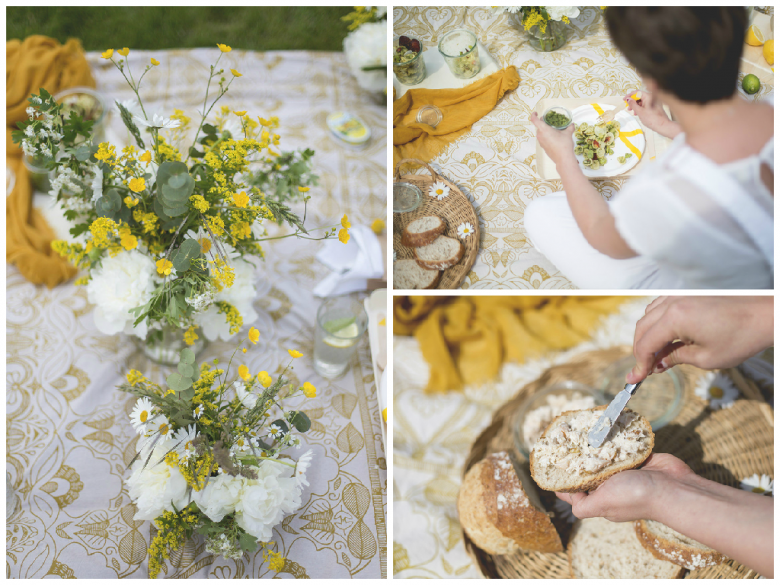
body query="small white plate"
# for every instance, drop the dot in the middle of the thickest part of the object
(588, 113)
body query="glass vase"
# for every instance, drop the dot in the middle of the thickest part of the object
(553, 38)
(163, 346)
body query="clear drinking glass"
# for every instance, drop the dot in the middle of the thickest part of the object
(341, 322)
(460, 51)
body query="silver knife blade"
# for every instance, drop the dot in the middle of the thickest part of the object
(608, 419)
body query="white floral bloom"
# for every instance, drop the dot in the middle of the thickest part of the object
(158, 121)
(439, 190)
(758, 484)
(274, 431)
(366, 46)
(159, 425)
(156, 487)
(183, 439)
(558, 12)
(142, 414)
(563, 510)
(31, 112)
(717, 389)
(132, 106)
(304, 462)
(220, 497)
(46, 151)
(265, 500)
(36, 100)
(380, 10)
(97, 182)
(294, 441)
(232, 125)
(121, 283)
(29, 131)
(28, 148)
(240, 295)
(198, 412)
(248, 399)
(65, 178)
(465, 230)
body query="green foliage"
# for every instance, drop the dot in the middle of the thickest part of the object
(174, 187)
(184, 254)
(127, 118)
(301, 421)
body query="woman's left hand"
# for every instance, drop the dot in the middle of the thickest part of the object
(558, 144)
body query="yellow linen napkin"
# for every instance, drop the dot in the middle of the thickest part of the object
(36, 62)
(460, 109)
(466, 340)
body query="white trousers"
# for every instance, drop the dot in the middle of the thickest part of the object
(554, 232)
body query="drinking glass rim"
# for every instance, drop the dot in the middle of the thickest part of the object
(457, 30)
(361, 328)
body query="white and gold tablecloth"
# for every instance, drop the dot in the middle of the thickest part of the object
(494, 164)
(69, 439)
(433, 434)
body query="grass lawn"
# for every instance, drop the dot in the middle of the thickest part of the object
(165, 27)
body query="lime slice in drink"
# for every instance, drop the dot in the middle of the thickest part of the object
(344, 337)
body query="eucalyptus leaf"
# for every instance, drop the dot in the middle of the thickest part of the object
(187, 356)
(282, 425)
(178, 382)
(301, 421)
(185, 370)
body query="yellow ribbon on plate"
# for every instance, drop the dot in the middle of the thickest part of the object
(624, 135)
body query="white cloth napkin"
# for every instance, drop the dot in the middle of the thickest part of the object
(352, 264)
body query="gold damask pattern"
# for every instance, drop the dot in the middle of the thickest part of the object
(69, 439)
(494, 164)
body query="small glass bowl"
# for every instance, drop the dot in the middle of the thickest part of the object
(557, 110)
(406, 197)
(430, 115)
(659, 398)
(539, 399)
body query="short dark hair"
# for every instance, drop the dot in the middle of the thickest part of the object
(691, 52)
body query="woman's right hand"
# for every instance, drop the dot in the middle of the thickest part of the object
(651, 113)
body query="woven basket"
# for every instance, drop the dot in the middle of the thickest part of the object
(724, 446)
(455, 209)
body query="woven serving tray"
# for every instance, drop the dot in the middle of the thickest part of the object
(455, 209)
(724, 446)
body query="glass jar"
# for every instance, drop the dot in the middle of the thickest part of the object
(163, 346)
(460, 52)
(553, 38)
(557, 117)
(40, 176)
(89, 104)
(408, 69)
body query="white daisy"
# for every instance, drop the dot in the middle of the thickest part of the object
(718, 390)
(275, 431)
(183, 438)
(142, 413)
(158, 121)
(758, 484)
(439, 190)
(198, 412)
(465, 230)
(303, 464)
(563, 510)
(159, 425)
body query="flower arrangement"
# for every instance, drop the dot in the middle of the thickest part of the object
(536, 19)
(168, 233)
(366, 46)
(210, 463)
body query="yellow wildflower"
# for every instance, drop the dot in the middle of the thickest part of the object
(155, 62)
(237, 74)
(190, 336)
(304, 189)
(343, 236)
(294, 353)
(243, 371)
(241, 199)
(124, 52)
(254, 335)
(274, 559)
(232, 315)
(131, 201)
(134, 377)
(224, 48)
(243, 349)
(309, 390)
(377, 226)
(107, 54)
(101, 229)
(137, 185)
(128, 240)
(164, 266)
(81, 281)
(264, 379)
(205, 245)
(199, 203)
(345, 222)
(146, 157)
(241, 113)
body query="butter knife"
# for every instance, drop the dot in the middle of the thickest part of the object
(608, 419)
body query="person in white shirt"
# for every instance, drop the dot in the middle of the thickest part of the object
(702, 214)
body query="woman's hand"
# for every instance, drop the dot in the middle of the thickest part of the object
(633, 494)
(650, 112)
(558, 144)
(707, 332)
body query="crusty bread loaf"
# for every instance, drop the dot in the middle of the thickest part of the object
(442, 253)
(600, 549)
(669, 545)
(563, 461)
(500, 510)
(423, 231)
(408, 274)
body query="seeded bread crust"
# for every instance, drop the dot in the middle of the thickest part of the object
(676, 552)
(417, 239)
(435, 276)
(516, 522)
(444, 263)
(592, 482)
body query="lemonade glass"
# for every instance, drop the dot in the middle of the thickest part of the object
(341, 322)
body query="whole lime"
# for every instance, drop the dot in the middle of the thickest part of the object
(751, 84)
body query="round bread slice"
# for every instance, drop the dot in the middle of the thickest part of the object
(600, 549)
(423, 231)
(563, 461)
(408, 274)
(442, 253)
(669, 545)
(500, 510)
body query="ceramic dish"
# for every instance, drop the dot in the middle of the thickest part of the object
(588, 114)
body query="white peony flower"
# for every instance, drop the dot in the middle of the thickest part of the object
(558, 12)
(158, 121)
(366, 46)
(265, 500)
(157, 487)
(240, 295)
(248, 399)
(121, 283)
(221, 496)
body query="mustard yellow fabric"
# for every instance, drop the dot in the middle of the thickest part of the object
(466, 340)
(36, 62)
(460, 109)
